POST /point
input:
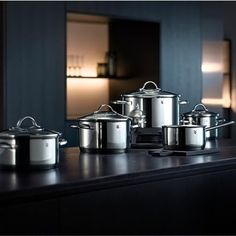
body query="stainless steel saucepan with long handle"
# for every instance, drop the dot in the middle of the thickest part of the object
(187, 137)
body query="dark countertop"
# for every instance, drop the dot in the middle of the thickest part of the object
(81, 172)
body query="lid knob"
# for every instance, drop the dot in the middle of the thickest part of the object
(149, 82)
(33, 126)
(200, 104)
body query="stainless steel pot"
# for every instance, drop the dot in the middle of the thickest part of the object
(104, 131)
(203, 117)
(30, 147)
(159, 107)
(187, 137)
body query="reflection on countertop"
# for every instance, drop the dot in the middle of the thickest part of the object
(82, 170)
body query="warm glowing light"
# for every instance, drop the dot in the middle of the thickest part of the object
(86, 95)
(208, 67)
(215, 68)
(217, 101)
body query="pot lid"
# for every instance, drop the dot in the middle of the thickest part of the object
(200, 112)
(104, 115)
(33, 131)
(149, 93)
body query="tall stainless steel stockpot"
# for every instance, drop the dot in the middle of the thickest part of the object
(203, 117)
(104, 131)
(30, 147)
(159, 107)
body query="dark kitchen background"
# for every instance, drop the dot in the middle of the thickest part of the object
(170, 37)
(49, 62)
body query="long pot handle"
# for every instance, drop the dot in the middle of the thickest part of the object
(221, 125)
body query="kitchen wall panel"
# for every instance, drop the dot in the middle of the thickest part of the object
(35, 63)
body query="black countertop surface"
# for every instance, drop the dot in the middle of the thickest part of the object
(81, 172)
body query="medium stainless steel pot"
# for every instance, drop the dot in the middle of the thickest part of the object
(187, 137)
(30, 147)
(203, 117)
(159, 107)
(104, 131)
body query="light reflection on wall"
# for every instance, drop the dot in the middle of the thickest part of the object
(86, 39)
(215, 74)
(85, 95)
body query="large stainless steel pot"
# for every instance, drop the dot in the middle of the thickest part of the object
(186, 137)
(104, 131)
(203, 117)
(30, 147)
(159, 107)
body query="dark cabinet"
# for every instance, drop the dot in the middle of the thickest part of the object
(31, 218)
(197, 204)
(201, 204)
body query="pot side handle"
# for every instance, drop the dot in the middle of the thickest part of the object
(121, 102)
(62, 142)
(81, 126)
(220, 120)
(183, 102)
(7, 146)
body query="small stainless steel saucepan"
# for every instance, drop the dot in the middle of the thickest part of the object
(200, 115)
(187, 137)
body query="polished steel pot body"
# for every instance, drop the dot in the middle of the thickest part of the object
(159, 107)
(159, 110)
(104, 132)
(187, 137)
(203, 117)
(184, 137)
(29, 148)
